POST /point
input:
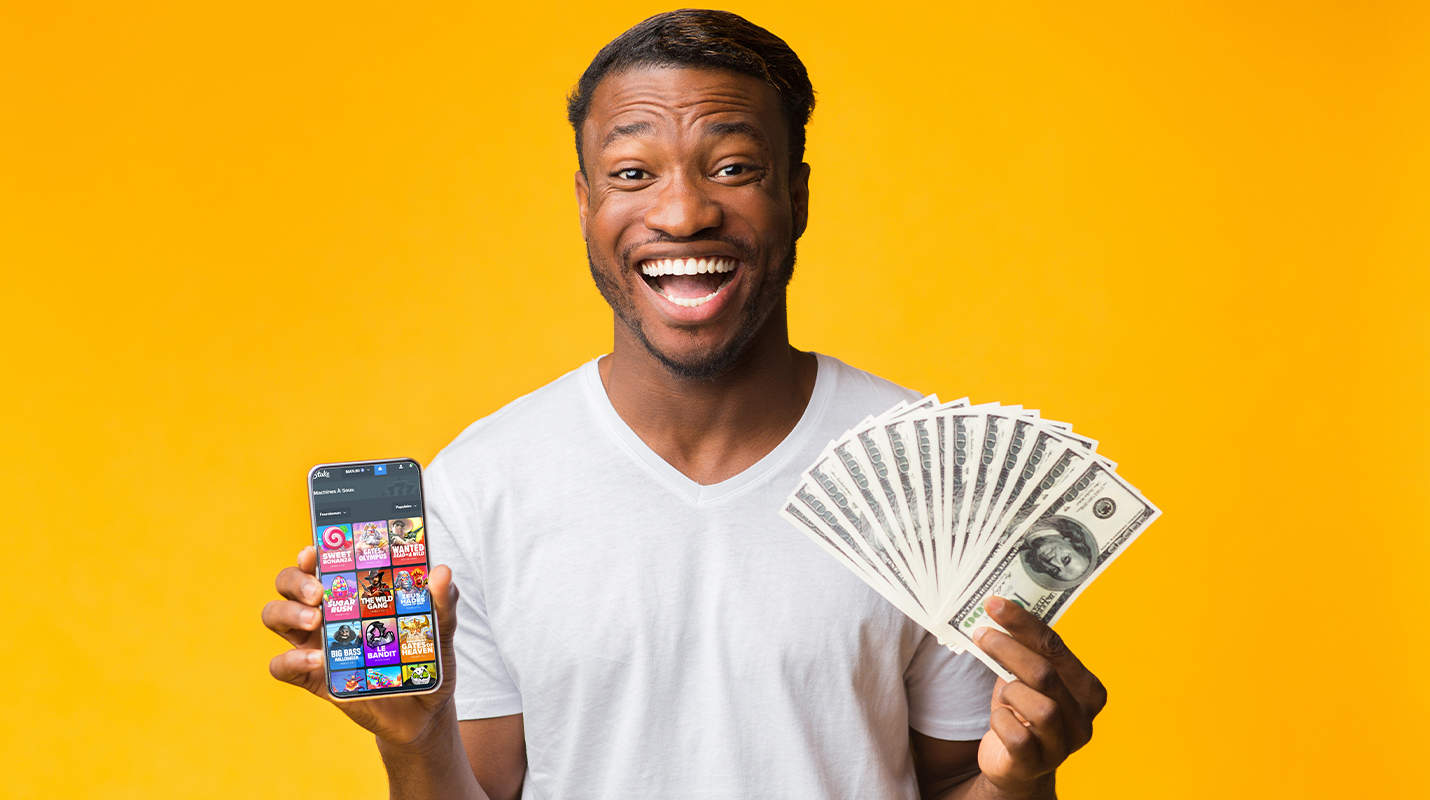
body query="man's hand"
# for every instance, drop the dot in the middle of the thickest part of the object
(1042, 717)
(405, 721)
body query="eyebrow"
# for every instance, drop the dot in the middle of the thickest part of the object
(714, 129)
(736, 129)
(622, 131)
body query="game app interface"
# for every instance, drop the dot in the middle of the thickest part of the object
(378, 627)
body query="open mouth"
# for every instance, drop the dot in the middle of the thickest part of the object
(689, 282)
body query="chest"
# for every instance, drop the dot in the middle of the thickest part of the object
(675, 594)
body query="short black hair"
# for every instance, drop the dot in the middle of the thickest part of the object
(695, 37)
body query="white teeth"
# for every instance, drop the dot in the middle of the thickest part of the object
(692, 302)
(687, 266)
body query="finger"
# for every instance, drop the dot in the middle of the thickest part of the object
(444, 603)
(295, 583)
(1020, 742)
(300, 667)
(1024, 626)
(308, 559)
(1043, 716)
(290, 619)
(1043, 640)
(1028, 666)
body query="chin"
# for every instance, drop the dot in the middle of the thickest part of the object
(702, 364)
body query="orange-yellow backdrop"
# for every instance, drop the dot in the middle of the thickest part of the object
(241, 239)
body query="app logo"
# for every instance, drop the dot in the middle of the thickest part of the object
(336, 551)
(379, 642)
(410, 586)
(348, 682)
(371, 543)
(419, 675)
(340, 600)
(408, 540)
(375, 591)
(344, 647)
(379, 469)
(416, 635)
(386, 678)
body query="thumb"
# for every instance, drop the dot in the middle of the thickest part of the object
(444, 604)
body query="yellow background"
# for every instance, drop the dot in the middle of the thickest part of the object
(241, 239)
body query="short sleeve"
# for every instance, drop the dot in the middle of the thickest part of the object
(484, 686)
(949, 694)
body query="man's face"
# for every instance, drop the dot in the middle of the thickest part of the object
(1060, 560)
(687, 171)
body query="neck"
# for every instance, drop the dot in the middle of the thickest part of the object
(712, 428)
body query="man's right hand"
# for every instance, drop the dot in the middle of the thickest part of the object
(401, 722)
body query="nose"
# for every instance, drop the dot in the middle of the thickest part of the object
(683, 208)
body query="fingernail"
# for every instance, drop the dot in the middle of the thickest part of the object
(978, 634)
(310, 616)
(994, 604)
(314, 658)
(312, 591)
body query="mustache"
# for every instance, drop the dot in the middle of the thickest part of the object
(744, 249)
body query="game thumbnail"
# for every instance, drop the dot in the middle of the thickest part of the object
(410, 586)
(384, 678)
(344, 645)
(420, 676)
(340, 600)
(370, 539)
(375, 592)
(347, 682)
(415, 633)
(335, 548)
(408, 540)
(379, 642)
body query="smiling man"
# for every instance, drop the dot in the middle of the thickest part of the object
(635, 620)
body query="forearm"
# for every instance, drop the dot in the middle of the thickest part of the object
(979, 787)
(434, 768)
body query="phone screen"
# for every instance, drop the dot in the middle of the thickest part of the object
(379, 630)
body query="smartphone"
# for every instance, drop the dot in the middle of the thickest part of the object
(379, 630)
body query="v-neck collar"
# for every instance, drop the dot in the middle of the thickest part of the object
(675, 480)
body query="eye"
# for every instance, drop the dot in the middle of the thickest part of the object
(732, 170)
(630, 174)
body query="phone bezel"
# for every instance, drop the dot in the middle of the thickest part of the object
(400, 691)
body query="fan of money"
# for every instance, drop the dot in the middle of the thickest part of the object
(937, 506)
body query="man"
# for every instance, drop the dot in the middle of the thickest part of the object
(1059, 553)
(635, 620)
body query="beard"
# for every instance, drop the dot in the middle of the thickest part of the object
(768, 296)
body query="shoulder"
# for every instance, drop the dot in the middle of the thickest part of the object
(859, 387)
(537, 420)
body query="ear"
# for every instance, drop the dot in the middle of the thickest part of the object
(799, 198)
(583, 199)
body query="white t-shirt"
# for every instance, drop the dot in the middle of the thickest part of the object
(666, 639)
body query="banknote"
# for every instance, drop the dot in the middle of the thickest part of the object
(940, 505)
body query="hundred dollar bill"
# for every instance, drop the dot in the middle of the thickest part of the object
(997, 433)
(820, 509)
(966, 441)
(865, 460)
(1022, 430)
(903, 457)
(929, 504)
(879, 545)
(1061, 551)
(845, 460)
(802, 519)
(1029, 464)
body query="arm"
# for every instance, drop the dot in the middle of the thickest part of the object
(496, 750)
(1037, 721)
(417, 735)
(948, 770)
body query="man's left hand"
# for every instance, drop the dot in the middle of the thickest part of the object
(1042, 717)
